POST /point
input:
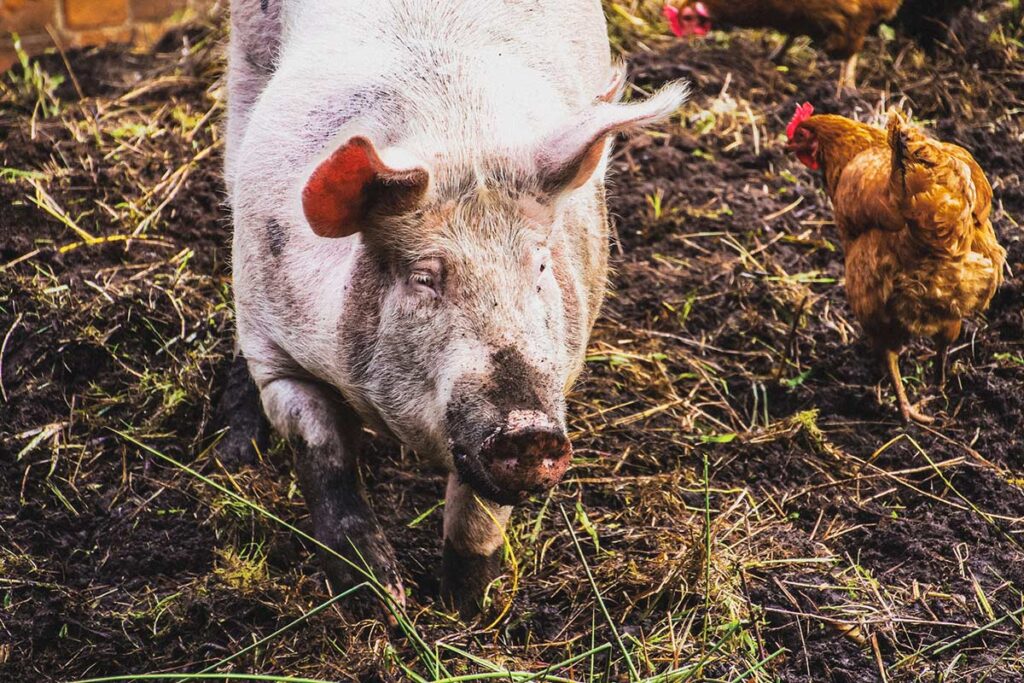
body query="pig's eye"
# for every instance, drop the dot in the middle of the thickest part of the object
(425, 278)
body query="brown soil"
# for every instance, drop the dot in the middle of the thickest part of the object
(850, 543)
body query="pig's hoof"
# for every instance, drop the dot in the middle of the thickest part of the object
(465, 577)
(239, 415)
(367, 552)
(397, 593)
(367, 603)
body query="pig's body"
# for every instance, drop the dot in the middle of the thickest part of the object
(453, 309)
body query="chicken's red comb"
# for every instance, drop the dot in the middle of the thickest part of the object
(803, 112)
(672, 15)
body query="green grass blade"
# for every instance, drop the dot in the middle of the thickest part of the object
(757, 667)
(634, 675)
(202, 677)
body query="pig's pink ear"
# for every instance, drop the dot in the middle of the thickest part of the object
(568, 159)
(352, 183)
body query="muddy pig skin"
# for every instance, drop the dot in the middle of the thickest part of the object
(420, 246)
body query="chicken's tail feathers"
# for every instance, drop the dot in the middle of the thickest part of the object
(933, 190)
(897, 134)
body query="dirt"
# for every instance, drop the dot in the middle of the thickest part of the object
(846, 545)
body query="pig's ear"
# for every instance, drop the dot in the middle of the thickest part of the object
(568, 159)
(354, 182)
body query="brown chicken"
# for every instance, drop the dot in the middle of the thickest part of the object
(913, 217)
(840, 25)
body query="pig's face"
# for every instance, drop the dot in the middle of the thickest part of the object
(463, 327)
(477, 335)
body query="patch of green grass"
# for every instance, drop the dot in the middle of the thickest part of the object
(1011, 358)
(11, 175)
(33, 87)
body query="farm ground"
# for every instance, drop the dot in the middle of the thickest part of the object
(748, 504)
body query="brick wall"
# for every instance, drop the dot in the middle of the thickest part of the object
(78, 23)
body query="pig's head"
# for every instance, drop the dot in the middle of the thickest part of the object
(469, 314)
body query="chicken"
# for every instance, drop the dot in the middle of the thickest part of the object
(841, 25)
(913, 218)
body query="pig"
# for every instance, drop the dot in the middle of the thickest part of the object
(420, 247)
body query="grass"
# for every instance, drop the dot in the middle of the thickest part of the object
(728, 516)
(242, 571)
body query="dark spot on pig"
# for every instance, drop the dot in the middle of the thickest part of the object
(383, 104)
(362, 314)
(543, 266)
(572, 315)
(513, 383)
(264, 5)
(261, 61)
(277, 239)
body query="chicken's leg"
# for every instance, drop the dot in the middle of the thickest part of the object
(909, 412)
(847, 76)
(943, 340)
(941, 354)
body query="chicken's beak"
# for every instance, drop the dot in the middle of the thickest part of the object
(808, 156)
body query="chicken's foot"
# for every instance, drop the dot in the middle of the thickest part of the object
(907, 411)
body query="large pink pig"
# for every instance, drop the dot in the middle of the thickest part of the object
(420, 245)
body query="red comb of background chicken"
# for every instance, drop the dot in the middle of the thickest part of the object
(672, 15)
(692, 20)
(803, 112)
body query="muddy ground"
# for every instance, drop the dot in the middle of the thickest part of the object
(747, 501)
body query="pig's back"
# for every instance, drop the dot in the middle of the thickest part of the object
(564, 38)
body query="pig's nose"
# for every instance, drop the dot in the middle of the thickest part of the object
(530, 453)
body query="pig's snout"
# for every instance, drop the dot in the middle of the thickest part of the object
(527, 454)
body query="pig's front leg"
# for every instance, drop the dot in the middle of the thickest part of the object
(473, 529)
(326, 435)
